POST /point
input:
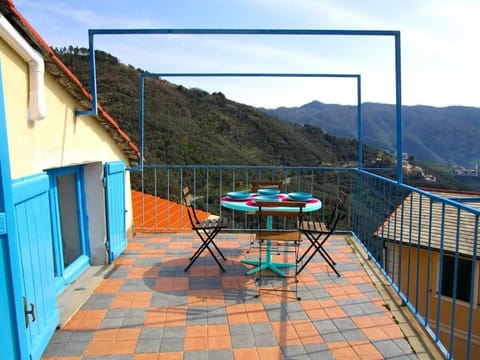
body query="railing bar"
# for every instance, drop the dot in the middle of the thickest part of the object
(387, 243)
(206, 192)
(384, 216)
(155, 197)
(429, 260)
(409, 263)
(324, 195)
(180, 192)
(455, 284)
(169, 208)
(472, 289)
(402, 220)
(440, 273)
(143, 199)
(419, 237)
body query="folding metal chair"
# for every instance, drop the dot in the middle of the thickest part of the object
(318, 233)
(207, 230)
(285, 238)
(262, 184)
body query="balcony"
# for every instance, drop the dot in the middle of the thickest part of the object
(408, 260)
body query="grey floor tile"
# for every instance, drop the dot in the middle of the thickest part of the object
(261, 328)
(151, 333)
(388, 349)
(242, 341)
(220, 319)
(344, 324)
(318, 351)
(54, 349)
(220, 354)
(174, 332)
(148, 345)
(108, 357)
(195, 355)
(172, 344)
(325, 326)
(240, 329)
(295, 352)
(354, 335)
(265, 340)
(75, 348)
(133, 322)
(333, 337)
(111, 323)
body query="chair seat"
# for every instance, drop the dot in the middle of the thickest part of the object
(313, 226)
(214, 223)
(278, 235)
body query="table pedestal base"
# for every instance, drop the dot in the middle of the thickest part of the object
(275, 267)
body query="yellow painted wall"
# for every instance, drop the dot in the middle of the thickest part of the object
(59, 140)
(428, 276)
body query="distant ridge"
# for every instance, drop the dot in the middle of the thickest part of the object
(444, 135)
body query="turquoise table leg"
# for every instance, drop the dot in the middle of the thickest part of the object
(268, 264)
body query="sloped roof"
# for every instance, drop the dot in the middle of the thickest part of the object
(154, 214)
(423, 218)
(67, 79)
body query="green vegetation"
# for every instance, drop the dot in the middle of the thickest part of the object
(192, 126)
(445, 136)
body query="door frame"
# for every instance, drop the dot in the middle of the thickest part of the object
(65, 275)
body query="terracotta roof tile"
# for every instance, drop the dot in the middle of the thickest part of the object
(154, 214)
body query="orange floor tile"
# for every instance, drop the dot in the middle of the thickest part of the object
(148, 307)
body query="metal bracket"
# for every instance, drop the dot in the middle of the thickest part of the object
(28, 312)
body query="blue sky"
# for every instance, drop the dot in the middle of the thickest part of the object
(440, 45)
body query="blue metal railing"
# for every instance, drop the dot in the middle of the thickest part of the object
(208, 183)
(425, 244)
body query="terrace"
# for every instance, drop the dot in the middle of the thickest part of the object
(382, 306)
(407, 257)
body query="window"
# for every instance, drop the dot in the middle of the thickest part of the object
(464, 277)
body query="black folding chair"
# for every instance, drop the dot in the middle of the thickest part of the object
(318, 233)
(207, 230)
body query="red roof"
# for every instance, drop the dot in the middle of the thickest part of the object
(154, 214)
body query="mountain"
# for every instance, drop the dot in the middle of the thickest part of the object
(447, 136)
(192, 126)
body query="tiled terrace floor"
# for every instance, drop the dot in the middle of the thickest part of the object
(147, 307)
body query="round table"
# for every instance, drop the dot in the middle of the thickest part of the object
(248, 205)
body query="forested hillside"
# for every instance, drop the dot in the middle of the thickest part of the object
(191, 126)
(447, 136)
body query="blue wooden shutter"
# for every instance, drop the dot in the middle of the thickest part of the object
(12, 339)
(34, 234)
(115, 208)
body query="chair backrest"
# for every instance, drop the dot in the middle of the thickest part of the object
(262, 184)
(337, 210)
(188, 200)
(270, 208)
